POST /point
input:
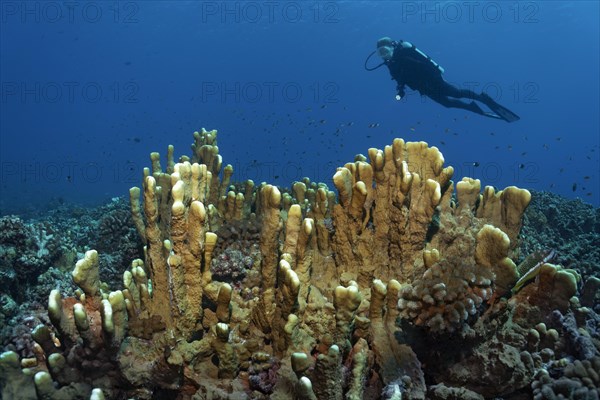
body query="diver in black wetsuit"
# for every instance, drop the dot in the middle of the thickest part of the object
(411, 67)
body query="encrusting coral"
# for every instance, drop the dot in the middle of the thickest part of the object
(327, 298)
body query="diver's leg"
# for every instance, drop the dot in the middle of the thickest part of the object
(454, 103)
(447, 90)
(440, 91)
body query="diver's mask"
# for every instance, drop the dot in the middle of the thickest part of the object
(385, 48)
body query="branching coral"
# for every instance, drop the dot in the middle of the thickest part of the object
(323, 282)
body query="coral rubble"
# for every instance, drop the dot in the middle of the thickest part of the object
(400, 286)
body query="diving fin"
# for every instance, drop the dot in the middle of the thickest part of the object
(503, 112)
(492, 115)
(475, 108)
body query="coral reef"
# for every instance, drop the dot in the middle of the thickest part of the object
(26, 251)
(37, 256)
(570, 227)
(400, 286)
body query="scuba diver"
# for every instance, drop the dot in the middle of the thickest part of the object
(411, 67)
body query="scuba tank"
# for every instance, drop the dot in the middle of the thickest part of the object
(408, 45)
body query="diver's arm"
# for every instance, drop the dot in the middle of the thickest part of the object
(396, 73)
(400, 58)
(400, 91)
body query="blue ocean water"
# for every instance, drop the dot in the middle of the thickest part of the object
(90, 88)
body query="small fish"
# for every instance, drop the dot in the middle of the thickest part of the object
(586, 177)
(476, 164)
(521, 166)
(531, 267)
(574, 188)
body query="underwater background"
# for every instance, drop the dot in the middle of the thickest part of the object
(89, 89)
(389, 278)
